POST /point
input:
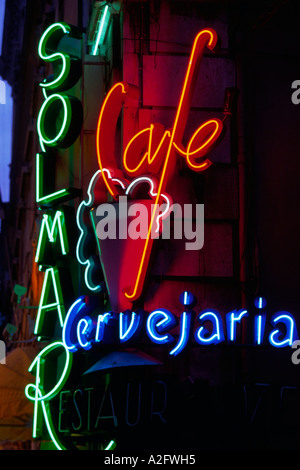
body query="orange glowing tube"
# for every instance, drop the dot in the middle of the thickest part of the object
(207, 134)
(106, 130)
(133, 162)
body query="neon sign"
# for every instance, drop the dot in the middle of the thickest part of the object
(56, 125)
(56, 129)
(153, 151)
(162, 146)
(103, 25)
(160, 322)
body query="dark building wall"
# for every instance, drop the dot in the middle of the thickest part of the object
(271, 65)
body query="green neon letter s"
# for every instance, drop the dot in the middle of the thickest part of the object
(64, 78)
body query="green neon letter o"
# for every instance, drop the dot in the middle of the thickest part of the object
(54, 124)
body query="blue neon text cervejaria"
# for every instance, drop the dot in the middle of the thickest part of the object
(80, 331)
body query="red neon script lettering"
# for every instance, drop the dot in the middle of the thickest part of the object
(161, 145)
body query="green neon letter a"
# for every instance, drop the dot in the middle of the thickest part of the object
(51, 300)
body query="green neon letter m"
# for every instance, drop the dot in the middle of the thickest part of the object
(52, 227)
